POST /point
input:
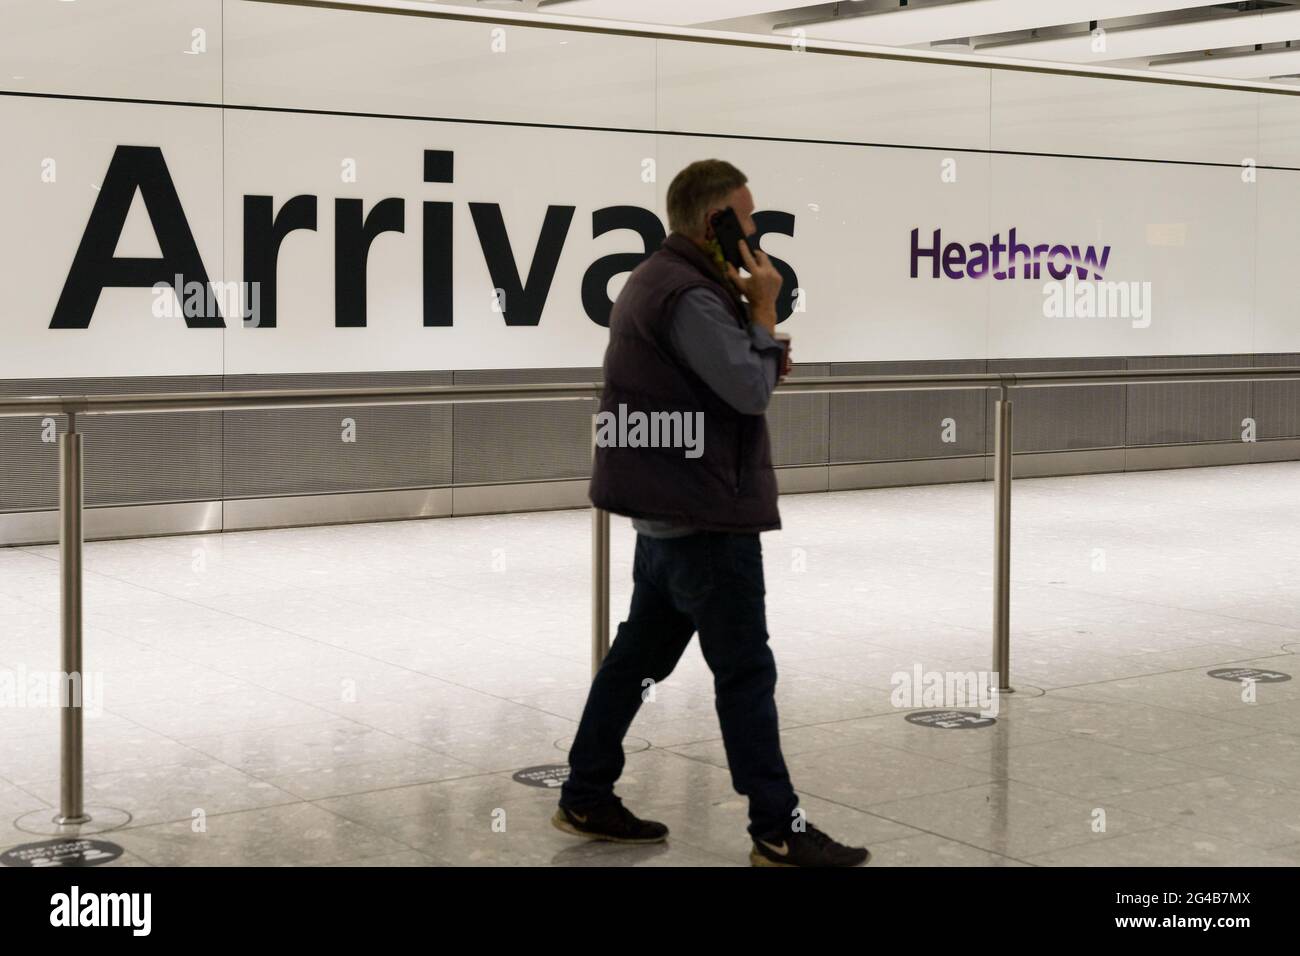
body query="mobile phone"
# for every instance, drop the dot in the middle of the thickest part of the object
(726, 227)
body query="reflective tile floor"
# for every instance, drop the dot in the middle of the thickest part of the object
(364, 694)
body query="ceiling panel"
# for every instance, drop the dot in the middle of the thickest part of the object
(967, 18)
(1242, 66)
(1160, 40)
(1138, 34)
(674, 12)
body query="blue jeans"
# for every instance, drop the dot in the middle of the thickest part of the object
(710, 582)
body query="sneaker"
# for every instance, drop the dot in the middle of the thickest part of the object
(612, 822)
(809, 848)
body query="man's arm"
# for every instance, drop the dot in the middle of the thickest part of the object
(740, 364)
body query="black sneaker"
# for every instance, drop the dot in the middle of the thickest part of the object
(613, 822)
(809, 848)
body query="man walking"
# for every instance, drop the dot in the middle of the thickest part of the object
(683, 340)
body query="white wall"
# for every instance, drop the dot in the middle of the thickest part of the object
(571, 119)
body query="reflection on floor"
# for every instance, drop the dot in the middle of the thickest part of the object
(364, 694)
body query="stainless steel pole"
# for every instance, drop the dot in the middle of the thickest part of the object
(71, 809)
(1002, 541)
(599, 577)
(599, 588)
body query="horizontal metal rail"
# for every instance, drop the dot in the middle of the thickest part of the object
(248, 400)
(72, 812)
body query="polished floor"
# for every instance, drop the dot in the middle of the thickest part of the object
(364, 694)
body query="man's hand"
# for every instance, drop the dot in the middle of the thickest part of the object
(760, 287)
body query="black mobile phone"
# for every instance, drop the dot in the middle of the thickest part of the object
(726, 227)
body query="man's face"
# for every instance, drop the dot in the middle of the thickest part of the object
(742, 202)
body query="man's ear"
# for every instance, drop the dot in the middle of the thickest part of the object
(708, 223)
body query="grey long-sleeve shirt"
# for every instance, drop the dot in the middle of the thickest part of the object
(740, 364)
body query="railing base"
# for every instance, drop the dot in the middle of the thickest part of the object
(72, 821)
(98, 819)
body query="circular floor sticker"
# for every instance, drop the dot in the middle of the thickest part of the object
(62, 853)
(1238, 674)
(551, 775)
(950, 719)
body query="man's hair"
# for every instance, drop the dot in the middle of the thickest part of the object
(696, 188)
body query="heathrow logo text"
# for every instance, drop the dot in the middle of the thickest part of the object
(1073, 280)
(1022, 259)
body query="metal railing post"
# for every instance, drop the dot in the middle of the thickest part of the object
(599, 576)
(71, 809)
(599, 588)
(1002, 540)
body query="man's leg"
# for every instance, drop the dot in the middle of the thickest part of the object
(648, 645)
(732, 621)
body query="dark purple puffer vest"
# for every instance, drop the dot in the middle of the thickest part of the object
(732, 486)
